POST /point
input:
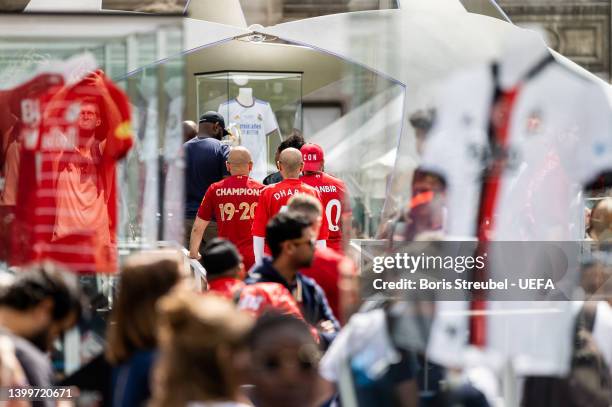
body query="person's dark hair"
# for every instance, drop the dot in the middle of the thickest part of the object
(40, 282)
(272, 322)
(283, 227)
(145, 278)
(219, 256)
(295, 141)
(423, 119)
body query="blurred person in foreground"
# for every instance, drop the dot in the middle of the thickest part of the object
(589, 380)
(205, 158)
(326, 264)
(600, 220)
(132, 336)
(224, 268)
(40, 305)
(203, 352)
(295, 141)
(232, 203)
(292, 244)
(284, 364)
(334, 196)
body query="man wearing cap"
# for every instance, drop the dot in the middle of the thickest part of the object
(334, 195)
(232, 203)
(224, 268)
(205, 158)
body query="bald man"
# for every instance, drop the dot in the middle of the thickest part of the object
(274, 199)
(231, 202)
(190, 130)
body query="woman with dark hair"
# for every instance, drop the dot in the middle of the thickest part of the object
(132, 337)
(203, 352)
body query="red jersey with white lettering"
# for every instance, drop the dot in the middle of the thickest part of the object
(232, 202)
(260, 298)
(66, 204)
(227, 287)
(334, 196)
(274, 198)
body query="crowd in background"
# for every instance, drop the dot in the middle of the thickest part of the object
(281, 321)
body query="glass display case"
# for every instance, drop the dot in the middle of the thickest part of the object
(259, 108)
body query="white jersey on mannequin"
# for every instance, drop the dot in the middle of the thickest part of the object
(256, 121)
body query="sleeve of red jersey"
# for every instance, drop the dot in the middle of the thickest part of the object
(116, 112)
(206, 210)
(261, 216)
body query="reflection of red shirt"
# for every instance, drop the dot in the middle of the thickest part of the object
(325, 271)
(274, 198)
(232, 202)
(334, 197)
(66, 204)
(225, 286)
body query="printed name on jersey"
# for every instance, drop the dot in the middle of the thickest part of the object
(284, 193)
(326, 188)
(237, 191)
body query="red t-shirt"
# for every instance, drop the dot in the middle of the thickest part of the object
(232, 202)
(225, 286)
(325, 270)
(274, 198)
(66, 203)
(334, 196)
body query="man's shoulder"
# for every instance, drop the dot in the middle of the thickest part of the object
(333, 180)
(253, 183)
(309, 282)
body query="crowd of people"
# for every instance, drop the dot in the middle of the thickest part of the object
(280, 321)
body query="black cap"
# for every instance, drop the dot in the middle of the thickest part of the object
(214, 117)
(220, 256)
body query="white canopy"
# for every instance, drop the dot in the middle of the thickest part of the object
(418, 43)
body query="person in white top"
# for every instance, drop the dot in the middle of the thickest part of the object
(256, 121)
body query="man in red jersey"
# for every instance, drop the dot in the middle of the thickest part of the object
(232, 203)
(334, 196)
(273, 199)
(224, 268)
(326, 264)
